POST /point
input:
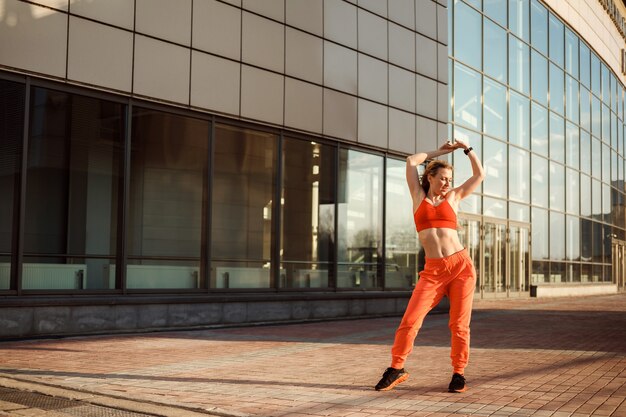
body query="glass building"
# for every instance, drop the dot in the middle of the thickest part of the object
(213, 162)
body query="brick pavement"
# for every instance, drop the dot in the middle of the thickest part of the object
(530, 357)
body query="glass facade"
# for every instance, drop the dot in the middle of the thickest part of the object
(561, 166)
(189, 203)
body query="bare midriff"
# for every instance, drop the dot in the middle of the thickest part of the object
(440, 242)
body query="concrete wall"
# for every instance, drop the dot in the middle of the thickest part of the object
(56, 317)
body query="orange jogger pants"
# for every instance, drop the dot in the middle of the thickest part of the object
(455, 277)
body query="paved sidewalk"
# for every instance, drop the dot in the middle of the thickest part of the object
(532, 357)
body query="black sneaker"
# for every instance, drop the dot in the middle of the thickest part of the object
(391, 378)
(457, 384)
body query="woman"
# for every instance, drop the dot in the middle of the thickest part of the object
(448, 271)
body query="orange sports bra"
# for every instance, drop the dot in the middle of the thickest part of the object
(428, 216)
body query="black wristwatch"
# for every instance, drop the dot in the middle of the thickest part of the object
(468, 150)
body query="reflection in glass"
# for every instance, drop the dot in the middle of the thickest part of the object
(539, 180)
(519, 212)
(308, 214)
(495, 51)
(557, 236)
(557, 89)
(557, 137)
(404, 255)
(467, 93)
(495, 9)
(585, 152)
(596, 199)
(462, 165)
(539, 26)
(586, 240)
(571, 53)
(556, 41)
(557, 186)
(167, 200)
(519, 169)
(467, 35)
(494, 115)
(519, 65)
(539, 129)
(598, 238)
(539, 80)
(494, 207)
(519, 120)
(540, 272)
(606, 87)
(244, 177)
(606, 203)
(585, 196)
(360, 219)
(519, 20)
(73, 189)
(573, 272)
(596, 117)
(571, 100)
(596, 157)
(572, 144)
(495, 182)
(572, 192)
(585, 109)
(606, 163)
(557, 272)
(540, 247)
(606, 124)
(585, 65)
(595, 75)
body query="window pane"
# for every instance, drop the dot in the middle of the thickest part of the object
(496, 168)
(539, 81)
(586, 240)
(606, 87)
(572, 192)
(494, 207)
(557, 236)
(606, 124)
(557, 186)
(244, 180)
(519, 212)
(401, 242)
(462, 165)
(557, 137)
(539, 129)
(557, 89)
(596, 117)
(572, 145)
(360, 219)
(606, 204)
(585, 152)
(539, 26)
(467, 93)
(495, 51)
(494, 115)
(595, 75)
(519, 71)
(540, 247)
(539, 181)
(606, 163)
(585, 109)
(556, 40)
(467, 35)
(596, 157)
(596, 199)
(519, 20)
(519, 169)
(495, 9)
(572, 238)
(571, 53)
(571, 99)
(307, 214)
(11, 126)
(519, 120)
(585, 193)
(167, 192)
(73, 185)
(585, 65)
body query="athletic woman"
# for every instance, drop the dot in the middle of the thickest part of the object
(448, 271)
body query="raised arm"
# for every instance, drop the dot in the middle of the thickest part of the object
(412, 176)
(478, 173)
